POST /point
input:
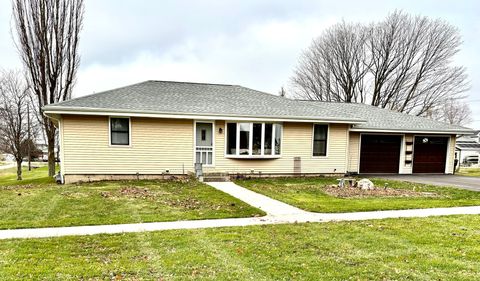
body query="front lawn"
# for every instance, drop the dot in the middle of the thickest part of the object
(38, 202)
(470, 172)
(313, 194)
(437, 248)
(37, 176)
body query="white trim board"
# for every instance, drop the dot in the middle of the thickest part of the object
(408, 131)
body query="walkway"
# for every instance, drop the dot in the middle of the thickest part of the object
(270, 206)
(277, 213)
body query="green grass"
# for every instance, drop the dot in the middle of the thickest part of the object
(471, 172)
(308, 194)
(37, 176)
(38, 202)
(440, 248)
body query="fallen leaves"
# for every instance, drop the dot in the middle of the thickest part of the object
(353, 192)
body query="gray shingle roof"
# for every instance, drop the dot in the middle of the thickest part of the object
(468, 145)
(201, 99)
(385, 119)
(166, 97)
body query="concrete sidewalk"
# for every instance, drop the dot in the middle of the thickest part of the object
(8, 166)
(277, 213)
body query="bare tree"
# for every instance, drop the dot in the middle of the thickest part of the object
(334, 68)
(454, 112)
(14, 123)
(48, 39)
(401, 63)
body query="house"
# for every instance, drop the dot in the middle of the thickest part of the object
(159, 128)
(467, 150)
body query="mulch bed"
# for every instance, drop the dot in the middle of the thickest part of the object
(355, 192)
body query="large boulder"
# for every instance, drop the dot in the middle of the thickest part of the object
(365, 184)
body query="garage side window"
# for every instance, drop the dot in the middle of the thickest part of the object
(320, 135)
(119, 131)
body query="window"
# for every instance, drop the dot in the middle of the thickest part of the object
(320, 140)
(119, 131)
(278, 138)
(267, 144)
(204, 135)
(253, 139)
(244, 138)
(257, 139)
(232, 138)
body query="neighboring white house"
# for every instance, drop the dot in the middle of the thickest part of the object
(467, 150)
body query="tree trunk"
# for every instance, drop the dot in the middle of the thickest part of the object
(51, 151)
(19, 170)
(29, 137)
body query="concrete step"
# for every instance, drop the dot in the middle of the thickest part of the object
(215, 178)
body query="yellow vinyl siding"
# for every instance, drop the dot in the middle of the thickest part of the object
(296, 142)
(354, 152)
(451, 155)
(157, 145)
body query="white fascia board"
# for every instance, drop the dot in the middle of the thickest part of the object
(97, 112)
(446, 132)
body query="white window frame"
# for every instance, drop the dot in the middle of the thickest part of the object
(110, 131)
(195, 141)
(327, 143)
(250, 144)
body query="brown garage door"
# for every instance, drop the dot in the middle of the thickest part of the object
(430, 154)
(380, 154)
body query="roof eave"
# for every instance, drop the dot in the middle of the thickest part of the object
(424, 131)
(48, 110)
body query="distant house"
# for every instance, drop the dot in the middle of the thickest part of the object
(157, 127)
(468, 150)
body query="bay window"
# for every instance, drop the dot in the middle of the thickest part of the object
(255, 139)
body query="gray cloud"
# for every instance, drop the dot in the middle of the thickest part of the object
(254, 43)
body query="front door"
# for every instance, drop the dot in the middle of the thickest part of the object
(204, 143)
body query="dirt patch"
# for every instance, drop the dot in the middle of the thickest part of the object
(15, 187)
(187, 203)
(130, 192)
(353, 192)
(73, 194)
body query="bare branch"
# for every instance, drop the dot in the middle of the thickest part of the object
(402, 63)
(48, 39)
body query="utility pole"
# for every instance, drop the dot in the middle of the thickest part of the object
(28, 139)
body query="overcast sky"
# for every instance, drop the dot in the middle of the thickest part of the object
(254, 43)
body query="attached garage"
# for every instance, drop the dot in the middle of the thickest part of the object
(430, 154)
(380, 153)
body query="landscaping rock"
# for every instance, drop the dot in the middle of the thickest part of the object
(365, 184)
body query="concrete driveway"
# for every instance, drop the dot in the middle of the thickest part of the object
(470, 183)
